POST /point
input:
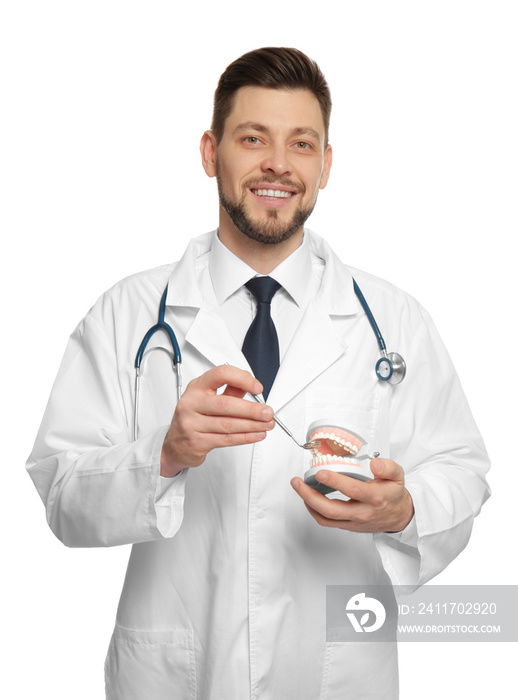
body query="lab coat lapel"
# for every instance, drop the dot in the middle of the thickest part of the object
(190, 286)
(209, 334)
(300, 365)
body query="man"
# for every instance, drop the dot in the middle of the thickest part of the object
(225, 589)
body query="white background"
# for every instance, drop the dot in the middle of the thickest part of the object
(103, 105)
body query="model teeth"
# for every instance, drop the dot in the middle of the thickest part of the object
(273, 193)
(323, 460)
(352, 449)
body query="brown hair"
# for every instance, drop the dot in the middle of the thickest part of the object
(271, 67)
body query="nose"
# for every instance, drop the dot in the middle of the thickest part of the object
(277, 161)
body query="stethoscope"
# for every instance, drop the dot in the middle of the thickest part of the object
(390, 367)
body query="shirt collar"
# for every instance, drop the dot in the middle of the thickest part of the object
(229, 273)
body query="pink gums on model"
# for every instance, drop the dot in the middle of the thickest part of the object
(337, 445)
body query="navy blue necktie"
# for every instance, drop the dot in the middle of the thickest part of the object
(261, 345)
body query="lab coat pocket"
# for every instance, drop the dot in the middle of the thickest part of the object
(151, 664)
(360, 671)
(352, 409)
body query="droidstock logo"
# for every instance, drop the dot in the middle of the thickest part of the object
(364, 608)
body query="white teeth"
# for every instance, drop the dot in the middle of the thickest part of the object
(331, 436)
(273, 193)
(323, 460)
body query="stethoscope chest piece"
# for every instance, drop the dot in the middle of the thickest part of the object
(391, 368)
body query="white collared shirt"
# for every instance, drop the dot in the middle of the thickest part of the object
(299, 275)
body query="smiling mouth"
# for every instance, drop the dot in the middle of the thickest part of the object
(272, 194)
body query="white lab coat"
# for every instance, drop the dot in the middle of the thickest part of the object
(225, 590)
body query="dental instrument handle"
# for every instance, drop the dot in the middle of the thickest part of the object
(279, 423)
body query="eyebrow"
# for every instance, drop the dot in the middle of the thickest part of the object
(261, 128)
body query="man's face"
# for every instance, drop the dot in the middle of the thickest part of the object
(271, 162)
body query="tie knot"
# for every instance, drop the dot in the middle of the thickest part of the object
(263, 288)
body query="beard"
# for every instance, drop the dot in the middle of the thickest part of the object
(270, 232)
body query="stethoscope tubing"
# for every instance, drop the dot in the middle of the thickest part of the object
(370, 316)
(161, 325)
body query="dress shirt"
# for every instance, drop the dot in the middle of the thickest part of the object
(299, 276)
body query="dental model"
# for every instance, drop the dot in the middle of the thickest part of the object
(337, 452)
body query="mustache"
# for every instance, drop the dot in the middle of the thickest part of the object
(271, 180)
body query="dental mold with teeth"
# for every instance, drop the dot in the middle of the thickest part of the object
(337, 452)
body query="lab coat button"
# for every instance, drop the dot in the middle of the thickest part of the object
(260, 513)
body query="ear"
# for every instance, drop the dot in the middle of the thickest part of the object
(208, 147)
(328, 161)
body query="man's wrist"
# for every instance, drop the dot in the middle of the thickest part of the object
(407, 515)
(169, 467)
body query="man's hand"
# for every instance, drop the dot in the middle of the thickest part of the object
(381, 505)
(204, 419)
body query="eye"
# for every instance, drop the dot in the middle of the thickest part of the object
(303, 145)
(252, 140)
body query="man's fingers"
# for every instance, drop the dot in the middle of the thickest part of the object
(239, 393)
(234, 391)
(355, 489)
(206, 442)
(329, 522)
(202, 396)
(330, 512)
(230, 406)
(233, 439)
(387, 469)
(217, 377)
(313, 499)
(364, 491)
(230, 425)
